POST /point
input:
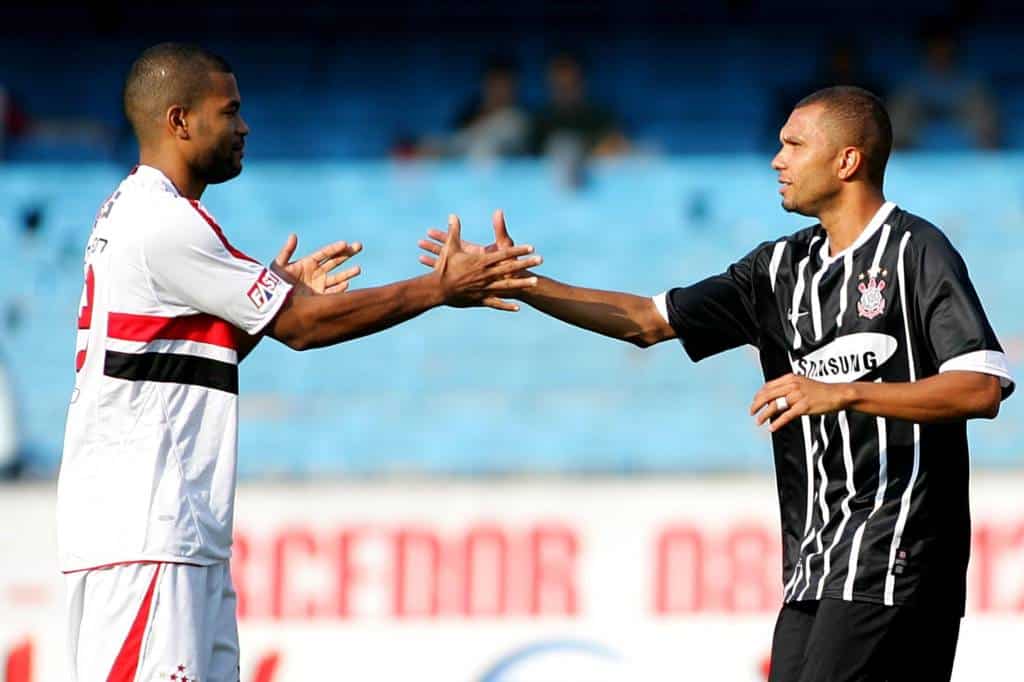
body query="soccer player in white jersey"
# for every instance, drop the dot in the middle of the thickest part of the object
(876, 351)
(169, 307)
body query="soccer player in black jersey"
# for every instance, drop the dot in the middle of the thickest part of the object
(876, 351)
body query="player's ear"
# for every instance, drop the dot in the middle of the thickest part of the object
(850, 160)
(177, 121)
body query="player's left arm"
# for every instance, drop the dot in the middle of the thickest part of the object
(949, 396)
(310, 275)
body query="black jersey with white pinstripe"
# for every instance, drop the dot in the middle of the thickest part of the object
(873, 509)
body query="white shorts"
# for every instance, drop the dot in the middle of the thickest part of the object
(157, 622)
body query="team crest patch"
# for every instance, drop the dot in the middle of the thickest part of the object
(263, 289)
(871, 303)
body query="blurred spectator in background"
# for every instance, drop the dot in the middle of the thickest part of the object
(9, 448)
(493, 123)
(571, 124)
(13, 121)
(842, 63)
(944, 105)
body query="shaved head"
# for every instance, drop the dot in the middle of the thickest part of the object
(857, 118)
(165, 75)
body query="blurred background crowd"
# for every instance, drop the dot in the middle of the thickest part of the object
(592, 123)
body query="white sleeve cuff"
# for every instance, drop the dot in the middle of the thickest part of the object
(984, 361)
(661, 305)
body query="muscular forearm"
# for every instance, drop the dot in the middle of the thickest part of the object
(618, 315)
(323, 320)
(949, 396)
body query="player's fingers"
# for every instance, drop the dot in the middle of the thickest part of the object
(797, 410)
(432, 247)
(507, 253)
(428, 261)
(341, 277)
(516, 265)
(776, 406)
(501, 237)
(284, 256)
(500, 304)
(437, 235)
(512, 284)
(768, 393)
(454, 239)
(334, 262)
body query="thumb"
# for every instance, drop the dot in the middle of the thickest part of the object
(501, 237)
(454, 232)
(285, 255)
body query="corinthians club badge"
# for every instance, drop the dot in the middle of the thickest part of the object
(871, 303)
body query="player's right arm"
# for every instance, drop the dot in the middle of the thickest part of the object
(191, 264)
(623, 316)
(620, 315)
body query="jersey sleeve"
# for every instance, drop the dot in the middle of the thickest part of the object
(956, 330)
(191, 263)
(715, 314)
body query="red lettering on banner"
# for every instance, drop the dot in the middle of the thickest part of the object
(679, 567)
(485, 572)
(753, 555)
(417, 573)
(997, 581)
(735, 571)
(554, 551)
(348, 573)
(409, 572)
(288, 546)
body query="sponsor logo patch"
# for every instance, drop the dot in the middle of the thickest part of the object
(848, 358)
(263, 289)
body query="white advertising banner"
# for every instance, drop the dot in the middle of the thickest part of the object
(582, 580)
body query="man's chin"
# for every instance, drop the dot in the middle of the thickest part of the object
(226, 174)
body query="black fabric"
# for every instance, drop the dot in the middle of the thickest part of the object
(172, 368)
(888, 519)
(839, 641)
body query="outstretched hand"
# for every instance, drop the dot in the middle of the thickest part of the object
(314, 270)
(472, 274)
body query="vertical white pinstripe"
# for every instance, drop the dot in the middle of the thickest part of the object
(773, 265)
(901, 520)
(809, 449)
(822, 489)
(816, 300)
(883, 241)
(883, 483)
(798, 294)
(844, 429)
(843, 293)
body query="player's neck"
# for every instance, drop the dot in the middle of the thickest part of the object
(176, 171)
(848, 217)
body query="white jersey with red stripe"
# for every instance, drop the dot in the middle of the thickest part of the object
(148, 470)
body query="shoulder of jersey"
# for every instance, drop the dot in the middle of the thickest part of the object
(922, 232)
(156, 205)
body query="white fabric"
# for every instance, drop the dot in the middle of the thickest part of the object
(190, 630)
(984, 361)
(148, 469)
(661, 305)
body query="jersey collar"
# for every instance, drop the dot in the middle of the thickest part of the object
(154, 176)
(873, 225)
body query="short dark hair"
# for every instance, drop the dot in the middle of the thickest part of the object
(862, 120)
(164, 75)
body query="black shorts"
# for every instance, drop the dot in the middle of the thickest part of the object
(840, 641)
